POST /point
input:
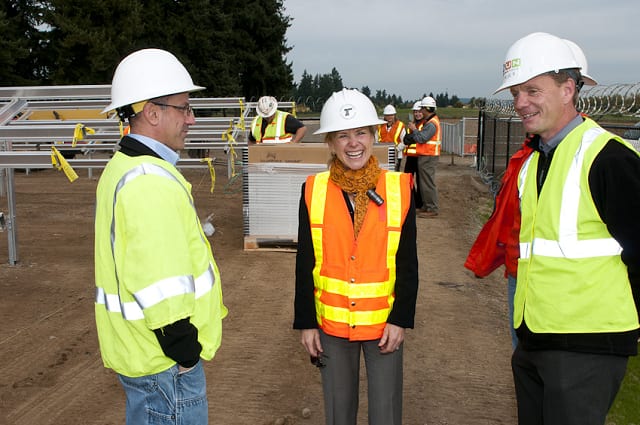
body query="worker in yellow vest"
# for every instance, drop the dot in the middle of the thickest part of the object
(356, 266)
(274, 126)
(158, 302)
(393, 131)
(578, 284)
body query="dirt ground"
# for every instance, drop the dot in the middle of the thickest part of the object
(457, 369)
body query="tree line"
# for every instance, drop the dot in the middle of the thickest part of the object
(312, 91)
(232, 48)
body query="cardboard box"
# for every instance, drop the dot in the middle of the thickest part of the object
(303, 153)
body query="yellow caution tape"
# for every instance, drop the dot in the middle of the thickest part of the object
(80, 132)
(60, 163)
(212, 172)
(293, 110)
(228, 136)
(241, 123)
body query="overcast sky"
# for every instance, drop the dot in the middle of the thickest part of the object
(412, 47)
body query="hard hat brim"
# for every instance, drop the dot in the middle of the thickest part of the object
(115, 105)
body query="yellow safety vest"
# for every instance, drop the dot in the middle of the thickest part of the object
(571, 278)
(275, 131)
(153, 265)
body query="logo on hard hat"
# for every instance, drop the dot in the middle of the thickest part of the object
(510, 65)
(347, 111)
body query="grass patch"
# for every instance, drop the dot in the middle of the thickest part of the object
(626, 408)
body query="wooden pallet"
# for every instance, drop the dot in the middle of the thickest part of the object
(270, 243)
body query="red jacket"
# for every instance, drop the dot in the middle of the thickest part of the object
(498, 240)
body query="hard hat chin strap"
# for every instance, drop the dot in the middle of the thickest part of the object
(128, 111)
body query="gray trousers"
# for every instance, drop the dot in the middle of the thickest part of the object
(340, 381)
(427, 176)
(555, 387)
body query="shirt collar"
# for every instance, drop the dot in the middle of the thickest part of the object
(553, 142)
(161, 149)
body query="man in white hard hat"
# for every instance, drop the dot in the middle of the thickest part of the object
(274, 126)
(497, 242)
(158, 299)
(393, 131)
(578, 284)
(423, 141)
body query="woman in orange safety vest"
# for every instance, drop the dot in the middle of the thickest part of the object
(356, 266)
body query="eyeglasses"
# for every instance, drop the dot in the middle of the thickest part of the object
(318, 361)
(187, 110)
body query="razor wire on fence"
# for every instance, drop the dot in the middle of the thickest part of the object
(595, 101)
(501, 133)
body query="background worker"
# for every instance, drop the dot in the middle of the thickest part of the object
(392, 132)
(578, 286)
(498, 241)
(423, 141)
(158, 300)
(349, 297)
(409, 163)
(274, 126)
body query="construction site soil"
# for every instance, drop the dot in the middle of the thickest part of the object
(457, 359)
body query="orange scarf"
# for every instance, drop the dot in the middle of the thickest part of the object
(356, 182)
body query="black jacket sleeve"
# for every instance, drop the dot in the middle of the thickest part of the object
(179, 341)
(406, 285)
(304, 304)
(614, 180)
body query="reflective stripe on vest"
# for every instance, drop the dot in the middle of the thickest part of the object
(163, 289)
(568, 245)
(155, 294)
(374, 298)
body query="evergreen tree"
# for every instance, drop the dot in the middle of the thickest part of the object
(18, 22)
(259, 43)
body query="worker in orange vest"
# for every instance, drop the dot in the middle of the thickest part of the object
(393, 131)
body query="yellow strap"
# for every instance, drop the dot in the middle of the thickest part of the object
(59, 163)
(228, 136)
(241, 123)
(80, 132)
(212, 172)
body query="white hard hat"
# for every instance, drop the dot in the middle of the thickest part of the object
(389, 110)
(347, 109)
(147, 74)
(267, 106)
(582, 61)
(417, 106)
(533, 55)
(428, 102)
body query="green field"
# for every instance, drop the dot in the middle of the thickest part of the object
(626, 408)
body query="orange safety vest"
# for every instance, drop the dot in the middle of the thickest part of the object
(390, 134)
(354, 279)
(432, 147)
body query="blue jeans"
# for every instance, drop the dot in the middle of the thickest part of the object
(511, 293)
(167, 398)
